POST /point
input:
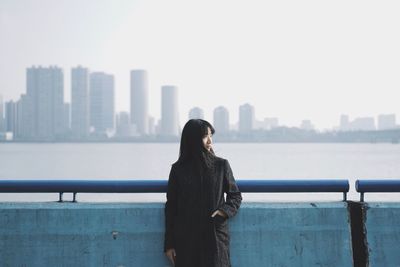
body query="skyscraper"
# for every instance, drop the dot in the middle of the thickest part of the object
(45, 90)
(169, 111)
(101, 102)
(221, 120)
(196, 113)
(152, 126)
(123, 125)
(10, 116)
(80, 123)
(140, 101)
(67, 117)
(2, 123)
(25, 119)
(246, 118)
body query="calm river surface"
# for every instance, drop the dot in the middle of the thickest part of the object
(153, 161)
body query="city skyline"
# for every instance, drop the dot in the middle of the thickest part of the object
(294, 60)
(140, 101)
(43, 114)
(209, 113)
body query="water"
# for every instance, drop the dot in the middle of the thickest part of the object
(153, 161)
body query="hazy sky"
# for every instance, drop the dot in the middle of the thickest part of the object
(290, 59)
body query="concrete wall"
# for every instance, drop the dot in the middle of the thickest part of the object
(382, 224)
(302, 234)
(131, 234)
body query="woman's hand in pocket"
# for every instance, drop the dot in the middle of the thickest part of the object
(220, 213)
(171, 255)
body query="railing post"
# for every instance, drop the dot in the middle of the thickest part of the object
(74, 198)
(61, 197)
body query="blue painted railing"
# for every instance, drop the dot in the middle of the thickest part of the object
(377, 186)
(160, 186)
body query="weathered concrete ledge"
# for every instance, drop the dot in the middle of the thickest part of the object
(382, 226)
(131, 234)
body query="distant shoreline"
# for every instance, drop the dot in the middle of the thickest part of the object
(276, 135)
(218, 142)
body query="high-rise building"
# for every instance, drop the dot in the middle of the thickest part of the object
(157, 127)
(25, 119)
(221, 120)
(80, 123)
(10, 116)
(101, 102)
(152, 126)
(169, 111)
(2, 122)
(246, 118)
(387, 121)
(67, 117)
(45, 89)
(140, 101)
(196, 113)
(123, 125)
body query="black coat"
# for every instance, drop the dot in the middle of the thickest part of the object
(198, 239)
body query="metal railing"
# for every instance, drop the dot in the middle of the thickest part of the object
(160, 186)
(377, 186)
(295, 186)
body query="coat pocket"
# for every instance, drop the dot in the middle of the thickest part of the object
(219, 220)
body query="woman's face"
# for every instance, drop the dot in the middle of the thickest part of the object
(207, 140)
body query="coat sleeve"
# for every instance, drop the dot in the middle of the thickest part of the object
(170, 211)
(233, 195)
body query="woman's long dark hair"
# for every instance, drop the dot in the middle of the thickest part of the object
(192, 150)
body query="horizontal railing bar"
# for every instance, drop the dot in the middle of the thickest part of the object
(383, 185)
(271, 186)
(83, 186)
(377, 186)
(160, 186)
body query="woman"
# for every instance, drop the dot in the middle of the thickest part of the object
(196, 213)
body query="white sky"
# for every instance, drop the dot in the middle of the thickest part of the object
(293, 60)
